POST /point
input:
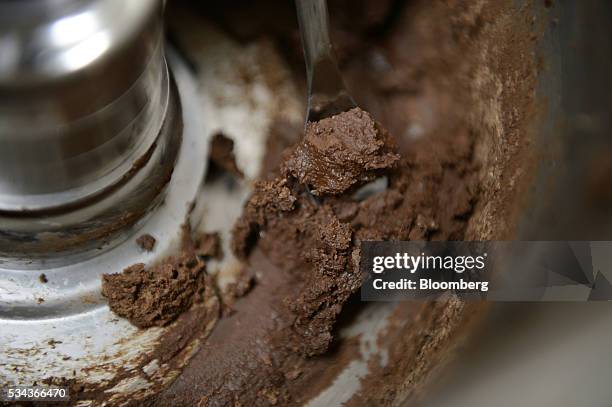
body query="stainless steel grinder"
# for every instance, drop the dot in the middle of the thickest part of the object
(89, 123)
(96, 133)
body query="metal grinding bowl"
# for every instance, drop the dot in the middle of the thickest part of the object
(96, 345)
(96, 134)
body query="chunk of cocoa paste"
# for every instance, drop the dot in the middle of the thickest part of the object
(341, 152)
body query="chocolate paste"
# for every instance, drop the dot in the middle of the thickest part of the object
(339, 152)
(317, 241)
(156, 295)
(208, 245)
(146, 242)
(222, 157)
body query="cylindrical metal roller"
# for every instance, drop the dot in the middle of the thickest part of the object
(86, 106)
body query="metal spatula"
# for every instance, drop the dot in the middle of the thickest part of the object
(327, 93)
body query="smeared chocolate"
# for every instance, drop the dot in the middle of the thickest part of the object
(222, 156)
(268, 199)
(208, 245)
(146, 242)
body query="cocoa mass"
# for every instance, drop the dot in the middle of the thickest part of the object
(157, 295)
(340, 152)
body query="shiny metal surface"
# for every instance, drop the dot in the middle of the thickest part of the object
(83, 93)
(327, 93)
(90, 125)
(52, 239)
